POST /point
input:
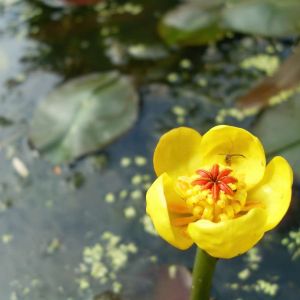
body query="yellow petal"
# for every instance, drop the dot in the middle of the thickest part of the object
(274, 191)
(159, 196)
(237, 148)
(177, 152)
(229, 238)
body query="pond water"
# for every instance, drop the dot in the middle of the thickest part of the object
(79, 231)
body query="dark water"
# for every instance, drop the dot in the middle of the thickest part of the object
(58, 226)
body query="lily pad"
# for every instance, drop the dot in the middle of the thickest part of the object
(84, 115)
(278, 129)
(193, 23)
(201, 22)
(275, 18)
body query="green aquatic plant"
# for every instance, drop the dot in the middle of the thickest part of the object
(292, 243)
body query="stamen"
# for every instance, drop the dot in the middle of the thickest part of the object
(208, 213)
(223, 217)
(214, 180)
(250, 205)
(229, 212)
(178, 208)
(211, 195)
(184, 221)
(221, 203)
(197, 211)
(236, 207)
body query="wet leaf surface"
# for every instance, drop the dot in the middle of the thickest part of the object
(278, 128)
(84, 115)
(273, 18)
(192, 23)
(202, 22)
(286, 77)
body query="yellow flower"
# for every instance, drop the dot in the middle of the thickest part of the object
(216, 191)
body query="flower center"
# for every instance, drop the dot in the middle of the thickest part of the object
(215, 181)
(211, 194)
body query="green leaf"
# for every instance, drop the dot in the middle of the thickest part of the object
(275, 18)
(278, 129)
(5, 121)
(192, 23)
(84, 115)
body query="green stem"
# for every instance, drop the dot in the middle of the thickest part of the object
(203, 271)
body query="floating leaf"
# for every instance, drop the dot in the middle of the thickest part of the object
(200, 22)
(286, 78)
(193, 23)
(278, 128)
(84, 115)
(265, 17)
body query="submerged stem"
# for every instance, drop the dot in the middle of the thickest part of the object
(203, 271)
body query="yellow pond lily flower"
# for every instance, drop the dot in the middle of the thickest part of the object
(216, 191)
